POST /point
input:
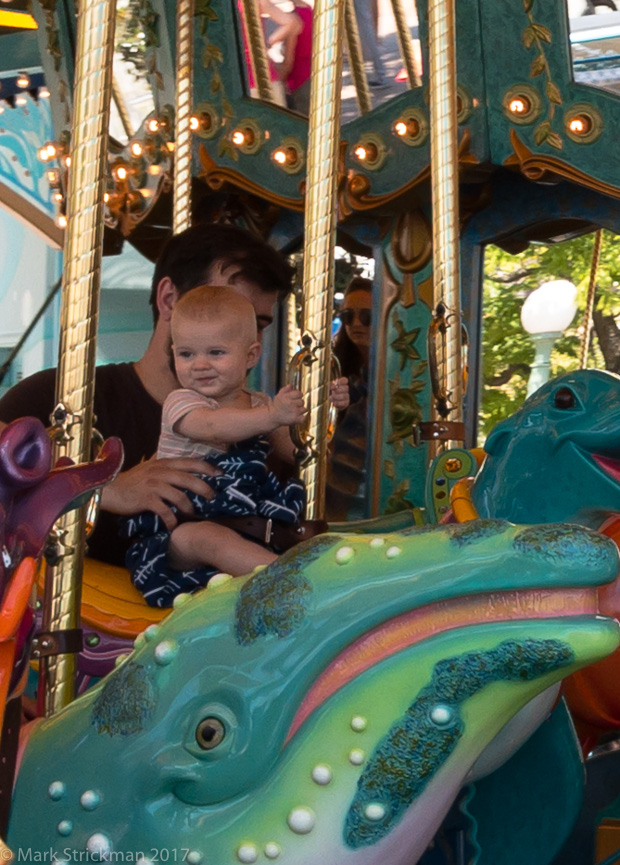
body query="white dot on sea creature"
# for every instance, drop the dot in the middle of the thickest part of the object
(56, 790)
(344, 555)
(181, 599)
(89, 800)
(374, 811)
(218, 580)
(357, 756)
(358, 723)
(152, 633)
(166, 652)
(377, 542)
(65, 827)
(322, 774)
(99, 846)
(392, 552)
(194, 857)
(301, 820)
(247, 853)
(441, 715)
(272, 850)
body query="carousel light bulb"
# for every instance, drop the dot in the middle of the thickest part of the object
(62, 221)
(44, 93)
(23, 80)
(58, 196)
(194, 123)
(43, 154)
(154, 170)
(67, 161)
(400, 128)
(136, 149)
(280, 157)
(106, 197)
(238, 138)
(153, 125)
(518, 105)
(52, 176)
(51, 150)
(121, 173)
(576, 125)
(21, 100)
(361, 152)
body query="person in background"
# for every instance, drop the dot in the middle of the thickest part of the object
(370, 43)
(296, 66)
(288, 27)
(346, 471)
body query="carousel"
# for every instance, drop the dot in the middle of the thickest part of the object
(433, 679)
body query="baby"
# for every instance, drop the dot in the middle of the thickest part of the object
(215, 343)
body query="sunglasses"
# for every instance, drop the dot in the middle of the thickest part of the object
(348, 316)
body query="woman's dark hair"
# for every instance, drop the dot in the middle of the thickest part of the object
(187, 258)
(349, 355)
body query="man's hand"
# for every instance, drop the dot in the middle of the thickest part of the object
(154, 485)
(339, 393)
(288, 407)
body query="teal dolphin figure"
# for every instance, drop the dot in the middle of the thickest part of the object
(325, 709)
(556, 457)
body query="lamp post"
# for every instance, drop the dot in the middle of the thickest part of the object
(545, 315)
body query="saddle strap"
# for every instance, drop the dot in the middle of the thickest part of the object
(276, 534)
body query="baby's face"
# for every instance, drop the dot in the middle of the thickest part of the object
(212, 358)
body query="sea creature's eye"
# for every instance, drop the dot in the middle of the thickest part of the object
(210, 733)
(564, 398)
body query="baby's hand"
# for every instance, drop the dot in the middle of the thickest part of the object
(288, 407)
(339, 393)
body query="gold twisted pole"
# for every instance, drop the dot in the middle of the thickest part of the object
(182, 193)
(80, 306)
(356, 58)
(121, 107)
(320, 232)
(404, 40)
(255, 38)
(589, 311)
(445, 195)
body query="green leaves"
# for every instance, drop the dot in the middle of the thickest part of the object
(539, 65)
(553, 93)
(545, 134)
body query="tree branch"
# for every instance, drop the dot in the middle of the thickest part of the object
(504, 377)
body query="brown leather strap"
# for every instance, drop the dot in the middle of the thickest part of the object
(439, 430)
(273, 533)
(64, 642)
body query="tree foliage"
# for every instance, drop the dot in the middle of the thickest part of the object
(507, 351)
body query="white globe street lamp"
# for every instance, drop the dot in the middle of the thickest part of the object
(545, 315)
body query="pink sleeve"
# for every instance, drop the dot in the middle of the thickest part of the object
(180, 403)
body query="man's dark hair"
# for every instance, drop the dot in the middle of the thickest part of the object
(187, 257)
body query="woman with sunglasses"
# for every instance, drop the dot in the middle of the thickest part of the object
(346, 471)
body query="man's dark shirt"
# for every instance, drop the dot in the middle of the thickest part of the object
(122, 408)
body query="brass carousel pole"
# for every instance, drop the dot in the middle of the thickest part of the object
(320, 233)
(257, 49)
(182, 193)
(445, 202)
(79, 311)
(356, 58)
(404, 40)
(587, 316)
